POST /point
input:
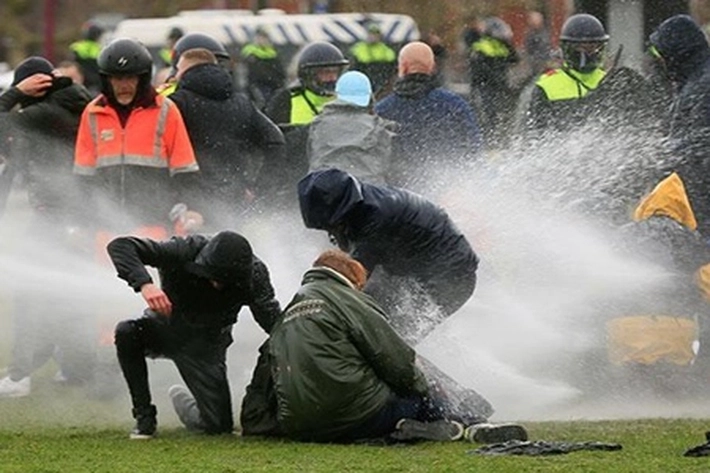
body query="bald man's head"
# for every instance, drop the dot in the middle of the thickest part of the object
(416, 58)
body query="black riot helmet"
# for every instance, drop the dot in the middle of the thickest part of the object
(316, 57)
(583, 40)
(204, 41)
(124, 57)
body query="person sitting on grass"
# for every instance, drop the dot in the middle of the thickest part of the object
(341, 373)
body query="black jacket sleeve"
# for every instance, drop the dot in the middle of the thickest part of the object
(263, 305)
(130, 255)
(10, 98)
(279, 107)
(270, 139)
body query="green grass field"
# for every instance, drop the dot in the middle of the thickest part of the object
(649, 446)
(58, 430)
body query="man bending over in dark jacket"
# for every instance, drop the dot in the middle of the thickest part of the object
(422, 269)
(205, 282)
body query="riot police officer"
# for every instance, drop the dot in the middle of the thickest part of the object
(555, 99)
(293, 108)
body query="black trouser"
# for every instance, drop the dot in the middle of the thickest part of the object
(200, 357)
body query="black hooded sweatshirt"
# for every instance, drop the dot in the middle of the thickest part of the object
(227, 133)
(686, 55)
(196, 303)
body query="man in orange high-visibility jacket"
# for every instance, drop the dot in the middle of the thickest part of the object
(132, 145)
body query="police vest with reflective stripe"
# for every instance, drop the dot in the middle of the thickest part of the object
(86, 49)
(490, 47)
(366, 53)
(305, 106)
(260, 52)
(568, 84)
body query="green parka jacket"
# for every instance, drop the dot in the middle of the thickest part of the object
(335, 360)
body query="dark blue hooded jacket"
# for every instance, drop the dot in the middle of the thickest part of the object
(379, 225)
(686, 56)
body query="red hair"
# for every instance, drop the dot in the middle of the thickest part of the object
(342, 263)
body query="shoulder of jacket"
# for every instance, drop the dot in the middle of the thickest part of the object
(97, 105)
(551, 75)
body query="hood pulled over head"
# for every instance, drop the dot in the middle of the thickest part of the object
(226, 258)
(327, 196)
(682, 45)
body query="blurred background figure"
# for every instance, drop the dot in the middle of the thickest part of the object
(265, 72)
(41, 112)
(85, 52)
(166, 53)
(71, 70)
(537, 44)
(472, 31)
(490, 60)
(375, 59)
(440, 55)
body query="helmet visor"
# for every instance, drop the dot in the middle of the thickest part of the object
(322, 80)
(584, 57)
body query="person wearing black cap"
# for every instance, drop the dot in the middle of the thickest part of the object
(40, 112)
(205, 282)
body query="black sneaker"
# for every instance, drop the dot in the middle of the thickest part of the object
(146, 423)
(438, 430)
(495, 433)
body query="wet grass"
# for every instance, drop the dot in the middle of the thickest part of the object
(52, 432)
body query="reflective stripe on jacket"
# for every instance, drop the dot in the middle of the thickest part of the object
(567, 84)
(153, 137)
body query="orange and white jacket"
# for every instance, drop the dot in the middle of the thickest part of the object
(134, 167)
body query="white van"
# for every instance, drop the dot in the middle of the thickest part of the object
(235, 28)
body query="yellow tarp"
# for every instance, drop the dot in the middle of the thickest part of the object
(668, 199)
(702, 279)
(648, 339)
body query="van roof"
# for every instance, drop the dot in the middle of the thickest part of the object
(344, 28)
